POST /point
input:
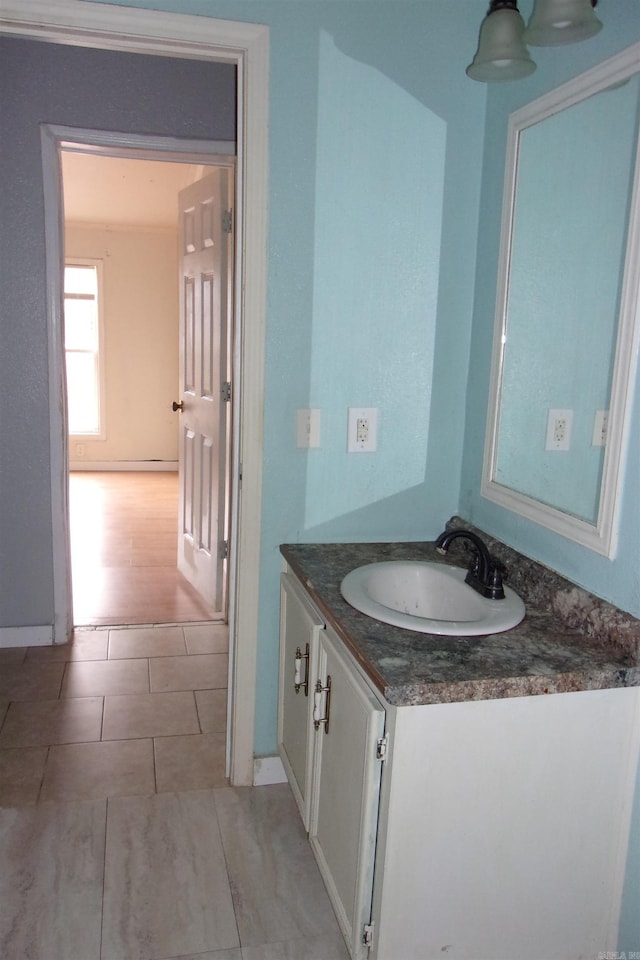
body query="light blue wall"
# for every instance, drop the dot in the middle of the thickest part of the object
(375, 294)
(382, 303)
(617, 580)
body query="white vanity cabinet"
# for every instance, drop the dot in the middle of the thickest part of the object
(476, 830)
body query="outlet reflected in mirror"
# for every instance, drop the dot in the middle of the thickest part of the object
(565, 334)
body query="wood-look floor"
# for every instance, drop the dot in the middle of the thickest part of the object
(124, 529)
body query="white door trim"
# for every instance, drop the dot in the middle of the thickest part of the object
(55, 138)
(103, 26)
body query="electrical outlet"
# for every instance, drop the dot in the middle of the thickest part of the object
(362, 430)
(559, 423)
(308, 429)
(80, 450)
(600, 422)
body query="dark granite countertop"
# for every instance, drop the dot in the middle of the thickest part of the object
(568, 641)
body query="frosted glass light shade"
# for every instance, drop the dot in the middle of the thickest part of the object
(502, 54)
(554, 22)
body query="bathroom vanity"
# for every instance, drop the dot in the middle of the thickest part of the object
(464, 797)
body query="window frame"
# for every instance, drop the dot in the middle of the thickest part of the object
(101, 433)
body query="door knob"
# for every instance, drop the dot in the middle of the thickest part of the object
(177, 406)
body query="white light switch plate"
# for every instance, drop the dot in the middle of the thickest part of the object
(600, 421)
(308, 429)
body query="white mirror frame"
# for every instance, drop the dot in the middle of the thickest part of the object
(601, 536)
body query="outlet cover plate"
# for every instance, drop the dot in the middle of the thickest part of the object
(559, 423)
(362, 430)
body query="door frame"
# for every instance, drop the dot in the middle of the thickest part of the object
(246, 45)
(56, 139)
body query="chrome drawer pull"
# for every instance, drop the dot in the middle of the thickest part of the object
(317, 698)
(297, 676)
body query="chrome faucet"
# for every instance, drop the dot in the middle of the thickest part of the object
(485, 572)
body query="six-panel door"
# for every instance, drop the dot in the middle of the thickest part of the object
(205, 268)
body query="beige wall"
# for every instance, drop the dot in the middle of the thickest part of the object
(140, 286)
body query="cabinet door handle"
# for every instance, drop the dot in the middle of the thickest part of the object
(297, 676)
(317, 699)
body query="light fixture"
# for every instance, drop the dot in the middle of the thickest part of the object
(502, 53)
(561, 21)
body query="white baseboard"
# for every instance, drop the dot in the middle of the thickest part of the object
(137, 465)
(26, 636)
(268, 770)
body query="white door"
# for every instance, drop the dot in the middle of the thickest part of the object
(206, 268)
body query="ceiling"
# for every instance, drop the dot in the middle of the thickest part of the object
(111, 190)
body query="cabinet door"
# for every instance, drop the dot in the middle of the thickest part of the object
(300, 624)
(346, 787)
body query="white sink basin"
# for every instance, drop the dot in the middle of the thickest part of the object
(428, 597)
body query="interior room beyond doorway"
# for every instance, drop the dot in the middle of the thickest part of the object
(123, 550)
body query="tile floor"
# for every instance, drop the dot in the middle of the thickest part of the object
(119, 711)
(120, 838)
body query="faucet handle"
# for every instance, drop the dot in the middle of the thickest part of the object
(497, 572)
(474, 563)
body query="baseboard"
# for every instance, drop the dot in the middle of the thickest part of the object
(268, 770)
(26, 636)
(133, 465)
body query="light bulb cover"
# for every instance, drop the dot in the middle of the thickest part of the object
(502, 54)
(555, 22)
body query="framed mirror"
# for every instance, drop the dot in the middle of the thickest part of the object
(566, 326)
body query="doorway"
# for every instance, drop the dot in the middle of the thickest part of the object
(247, 46)
(123, 222)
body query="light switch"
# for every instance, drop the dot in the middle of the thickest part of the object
(308, 428)
(600, 421)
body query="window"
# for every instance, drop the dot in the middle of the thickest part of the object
(82, 346)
